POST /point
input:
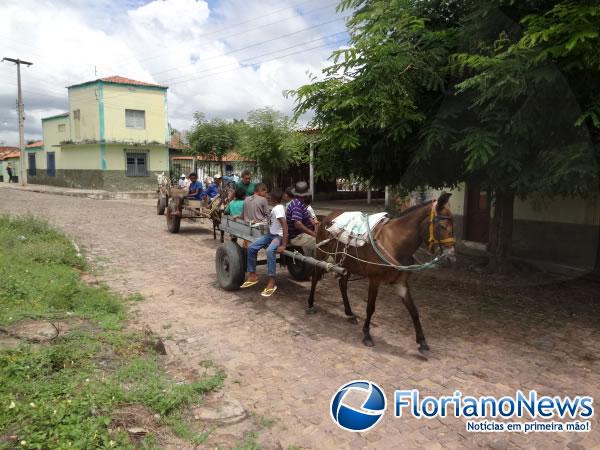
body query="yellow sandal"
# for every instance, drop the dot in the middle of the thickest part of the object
(267, 292)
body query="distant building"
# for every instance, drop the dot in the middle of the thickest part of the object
(12, 156)
(114, 136)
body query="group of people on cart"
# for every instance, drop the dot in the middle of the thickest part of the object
(289, 216)
(291, 221)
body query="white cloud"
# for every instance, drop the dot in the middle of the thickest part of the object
(201, 50)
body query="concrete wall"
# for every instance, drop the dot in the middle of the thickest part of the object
(51, 130)
(562, 231)
(119, 98)
(86, 99)
(81, 168)
(158, 157)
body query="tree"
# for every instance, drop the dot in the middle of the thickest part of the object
(435, 93)
(269, 138)
(214, 138)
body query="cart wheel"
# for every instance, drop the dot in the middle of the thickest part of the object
(173, 221)
(298, 270)
(230, 266)
(161, 205)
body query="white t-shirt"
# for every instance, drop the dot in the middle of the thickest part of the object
(311, 212)
(278, 212)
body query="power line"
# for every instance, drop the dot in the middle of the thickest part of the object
(247, 61)
(212, 33)
(257, 44)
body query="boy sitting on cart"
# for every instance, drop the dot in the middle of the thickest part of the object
(275, 241)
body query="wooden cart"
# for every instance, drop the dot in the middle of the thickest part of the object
(231, 257)
(179, 207)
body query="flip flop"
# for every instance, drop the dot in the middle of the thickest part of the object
(248, 284)
(268, 292)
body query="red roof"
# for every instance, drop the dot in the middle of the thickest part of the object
(122, 80)
(35, 144)
(7, 155)
(5, 152)
(116, 79)
(177, 144)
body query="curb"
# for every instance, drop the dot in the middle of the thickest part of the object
(94, 195)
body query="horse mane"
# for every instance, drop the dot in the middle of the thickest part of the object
(413, 208)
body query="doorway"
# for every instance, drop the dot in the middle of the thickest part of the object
(477, 221)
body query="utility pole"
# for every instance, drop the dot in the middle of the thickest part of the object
(21, 114)
(311, 169)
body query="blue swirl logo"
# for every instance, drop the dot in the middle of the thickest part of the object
(358, 419)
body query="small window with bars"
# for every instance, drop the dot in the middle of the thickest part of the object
(135, 118)
(76, 114)
(137, 164)
(62, 128)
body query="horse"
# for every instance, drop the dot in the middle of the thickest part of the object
(384, 259)
(218, 205)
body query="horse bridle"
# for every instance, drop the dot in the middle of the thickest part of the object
(434, 221)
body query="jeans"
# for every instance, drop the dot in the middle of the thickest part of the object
(270, 242)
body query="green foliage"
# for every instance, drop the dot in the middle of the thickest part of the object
(270, 139)
(67, 393)
(213, 138)
(438, 92)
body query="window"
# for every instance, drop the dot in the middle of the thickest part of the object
(32, 169)
(62, 128)
(135, 118)
(76, 114)
(50, 164)
(137, 164)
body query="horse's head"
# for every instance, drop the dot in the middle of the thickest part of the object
(440, 229)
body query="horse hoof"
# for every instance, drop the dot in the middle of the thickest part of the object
(368, 341)
(424, 351)
(353, 319)
(311, 310)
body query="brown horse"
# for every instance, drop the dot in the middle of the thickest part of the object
(396, 241)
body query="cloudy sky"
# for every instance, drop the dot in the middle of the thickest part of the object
(222, 57)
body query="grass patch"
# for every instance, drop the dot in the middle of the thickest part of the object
(68, 393)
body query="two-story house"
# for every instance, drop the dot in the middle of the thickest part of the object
(114, 137)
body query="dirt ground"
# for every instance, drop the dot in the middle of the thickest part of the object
(488, 336)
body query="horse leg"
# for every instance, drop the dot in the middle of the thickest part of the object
(373, 289)
(316, 276)
(222, 236)
(344, 290)
(214, 230)
(404, 292)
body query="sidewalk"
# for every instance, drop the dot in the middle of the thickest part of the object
(96, 194)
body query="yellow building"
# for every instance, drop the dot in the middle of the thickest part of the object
(562, 234)
(114, 137)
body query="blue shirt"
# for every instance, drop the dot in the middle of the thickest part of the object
(196, 185)
(212, 190)
(297, 212)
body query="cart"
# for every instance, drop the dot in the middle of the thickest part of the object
(179, 207)
(230, 260)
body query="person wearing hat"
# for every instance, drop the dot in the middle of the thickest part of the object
(301, 229)
(182, 183)
(213, 187)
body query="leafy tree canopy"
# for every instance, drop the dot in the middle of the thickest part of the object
(437, 92)
(213, 138)
(269, 138)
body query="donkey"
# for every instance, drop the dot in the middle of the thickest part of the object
(396, 241)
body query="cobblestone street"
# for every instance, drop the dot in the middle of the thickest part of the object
(281, 363)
